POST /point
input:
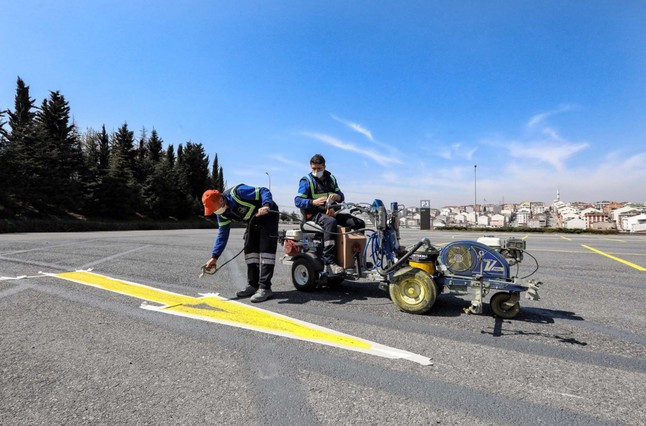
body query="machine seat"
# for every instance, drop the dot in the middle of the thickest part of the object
(311, 227)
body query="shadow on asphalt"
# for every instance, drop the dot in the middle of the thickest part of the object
(341, 294)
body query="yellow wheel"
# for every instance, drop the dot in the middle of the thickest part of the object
(413, 290)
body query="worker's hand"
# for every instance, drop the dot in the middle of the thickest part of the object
(330, 212)
(319, 201)
(335, 198)
(211, 264)
(262, 211)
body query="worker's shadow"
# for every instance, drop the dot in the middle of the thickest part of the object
(341, 294)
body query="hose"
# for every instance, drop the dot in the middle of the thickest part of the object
(203, 268)
(405, 257)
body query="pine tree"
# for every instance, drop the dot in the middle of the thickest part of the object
(196, 165)
(217, 175)
(215, 183)
(140, 169)
(96, 151)
(118, 188)
(4, 195)
(19, 171)
(158, 188)
(221, 182)
(60, 158)
(104, 150)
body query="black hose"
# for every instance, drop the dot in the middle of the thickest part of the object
(405, 257)
(245, 237)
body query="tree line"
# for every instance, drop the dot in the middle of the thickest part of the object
(50, 168)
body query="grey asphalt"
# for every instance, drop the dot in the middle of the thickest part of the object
(73, 354)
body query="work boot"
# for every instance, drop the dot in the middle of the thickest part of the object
(334, 269)
(248, 291)
(261, 295)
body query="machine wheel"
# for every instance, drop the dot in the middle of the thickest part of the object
(413, 292)
(498, 307)
(304, 275)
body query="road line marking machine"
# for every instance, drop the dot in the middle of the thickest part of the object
(414, 275)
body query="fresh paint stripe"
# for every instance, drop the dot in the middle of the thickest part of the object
(625, 262)
(566, 238)
(213, 308)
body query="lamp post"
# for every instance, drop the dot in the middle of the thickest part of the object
(475, 193)
(269, 177)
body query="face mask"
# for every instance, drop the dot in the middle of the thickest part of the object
(221, 210)
(318, 174)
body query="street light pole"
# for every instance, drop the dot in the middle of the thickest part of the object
(475, 193)
(269, 177)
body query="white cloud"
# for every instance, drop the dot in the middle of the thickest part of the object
(286, 161)
(356, 127)
(384, 160)
(539, 118)
(548, 151)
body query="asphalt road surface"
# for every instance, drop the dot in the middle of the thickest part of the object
(72, 353)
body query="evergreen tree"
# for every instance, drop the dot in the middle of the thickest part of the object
(221, 182)
(60, 159)
(158, 182)
(196, 166)
(120, 199)
(123, 146)
(217, 175)
(104, 150)
(96, 156)
(18, 169)
(154, 147)
(159, 195)
(140, 168)
(4, 195)
(182, 194)
(214, 183)
(170, 155)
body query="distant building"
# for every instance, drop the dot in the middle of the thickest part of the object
(636, 224)
(620, 216)
(498, 221)
(602, 226)
(595, 217)
(537, 221)
(483, 220)
(575, 223)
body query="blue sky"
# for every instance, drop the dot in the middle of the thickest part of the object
(402, 98)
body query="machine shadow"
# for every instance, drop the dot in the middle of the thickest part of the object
(341, 294)
(504, 327)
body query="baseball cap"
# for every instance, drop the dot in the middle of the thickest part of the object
(211, 200)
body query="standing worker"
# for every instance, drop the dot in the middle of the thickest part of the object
(255, 207)
(314, 191)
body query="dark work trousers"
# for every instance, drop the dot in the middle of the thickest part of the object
(260, 248)
(329, 225)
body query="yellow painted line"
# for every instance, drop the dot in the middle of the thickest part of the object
(213, 308)
(566, 238)
(525, 237)
(625, 262)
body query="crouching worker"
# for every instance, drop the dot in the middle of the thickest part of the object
(256, 208)
(314, 189)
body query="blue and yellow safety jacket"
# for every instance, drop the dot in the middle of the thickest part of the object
(243, 202)
(311, 188)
